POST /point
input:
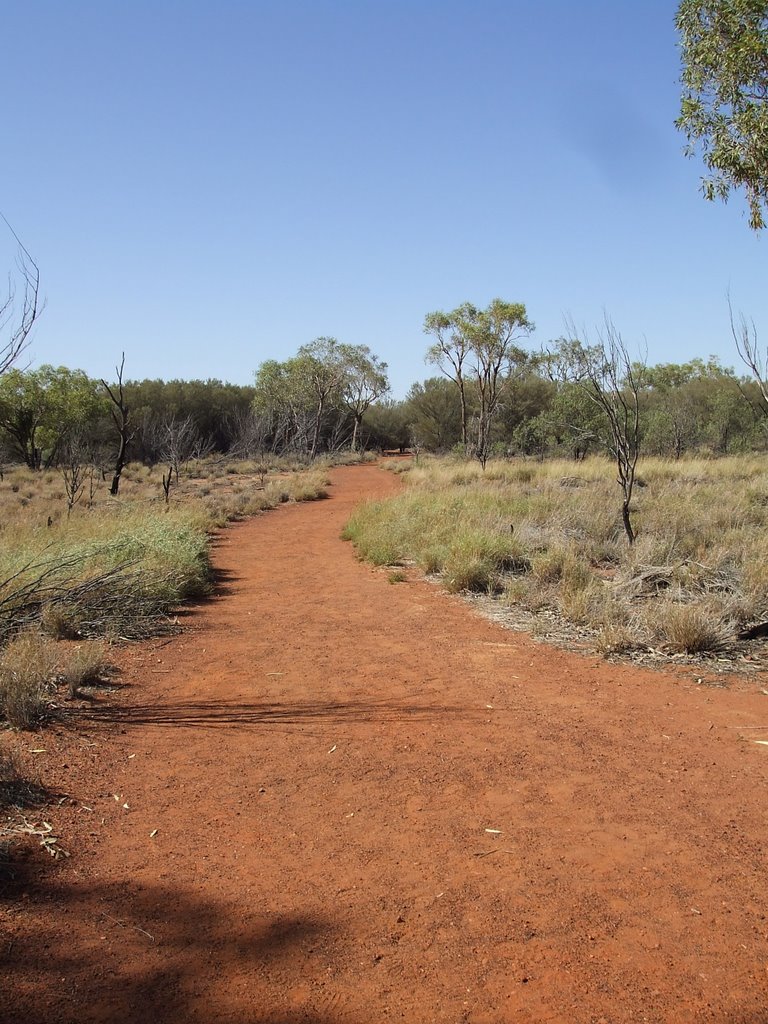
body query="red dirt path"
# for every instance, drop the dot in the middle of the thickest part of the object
(323, 755)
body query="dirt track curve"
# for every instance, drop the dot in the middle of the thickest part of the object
(373, 805)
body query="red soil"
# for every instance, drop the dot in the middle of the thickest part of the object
(327, 758)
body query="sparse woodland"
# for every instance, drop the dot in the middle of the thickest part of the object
(575, 481)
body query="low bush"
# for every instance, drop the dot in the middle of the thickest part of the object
(689, 628)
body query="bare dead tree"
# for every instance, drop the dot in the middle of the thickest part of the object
(249, 431)
(18, 325)
(72, 465)
(178, 441)
(610, 380)
(121, 418)
(339, 436)
(77, 463)
(747, 345)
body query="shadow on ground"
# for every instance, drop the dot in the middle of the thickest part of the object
(212, 713)
(222, 581)
(120, 953)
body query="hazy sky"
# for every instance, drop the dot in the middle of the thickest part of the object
(207, 186)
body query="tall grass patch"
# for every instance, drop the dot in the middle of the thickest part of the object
(91, 573)
(549, 535)
(27, 667)
(119, 567)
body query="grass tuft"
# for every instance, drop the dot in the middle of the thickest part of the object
(83, 665)
(27, 668)
(690, 628)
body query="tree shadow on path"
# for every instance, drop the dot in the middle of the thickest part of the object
(85, 953)
(213, 713)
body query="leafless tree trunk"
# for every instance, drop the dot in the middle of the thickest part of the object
(745, 335)
(167, 481)
(609, 379)
(339, 436)
(121, 417)
(178, 440)
(249, 431)
(76, 465)
(31, 306)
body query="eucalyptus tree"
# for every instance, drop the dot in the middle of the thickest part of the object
(284, 397)
(498, 360)
(322, 361)
(311, 397)
(724, 108)
(450, 352)
(364, 381)
(480, 346)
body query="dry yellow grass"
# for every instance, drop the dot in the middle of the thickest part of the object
(549, 534)
(117, 566)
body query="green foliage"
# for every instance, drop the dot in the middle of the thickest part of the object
(724, 109)
(319, 397)
(434, 414)
(102, 572)
(38, 408)
(478, 346)
(697, 405)
(213, 406)
(365, 381)
(386, 425)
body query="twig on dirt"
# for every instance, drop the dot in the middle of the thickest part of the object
(490, 853)
(124, 924)
(158, 647)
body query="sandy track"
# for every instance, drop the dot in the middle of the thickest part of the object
(323, 754)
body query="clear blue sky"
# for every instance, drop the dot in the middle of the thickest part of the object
(207, 186)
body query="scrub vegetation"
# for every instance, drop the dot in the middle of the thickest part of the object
(548, 536)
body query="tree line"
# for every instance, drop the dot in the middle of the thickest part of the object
(491, 398)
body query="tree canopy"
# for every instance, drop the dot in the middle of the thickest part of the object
(724, 109)
(479, 345)
(38, 408)
(319, 396)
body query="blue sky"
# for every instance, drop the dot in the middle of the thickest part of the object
(206, 186)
